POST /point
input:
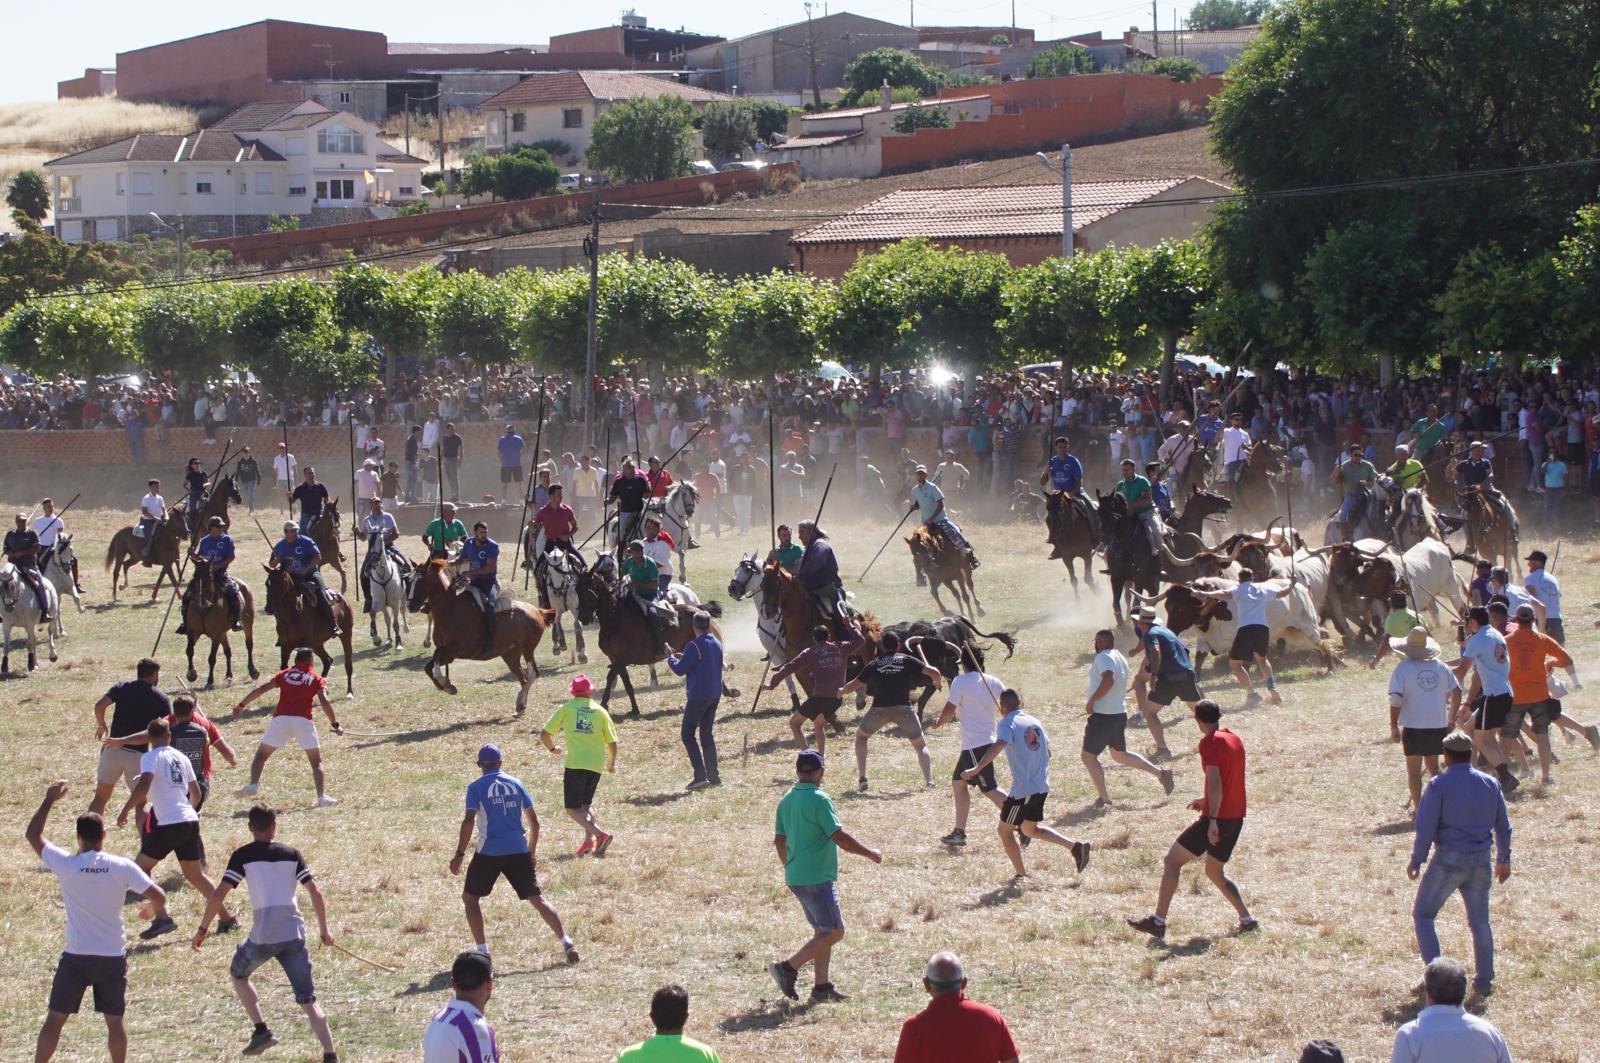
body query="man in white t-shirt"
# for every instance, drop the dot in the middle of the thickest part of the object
(1235, 447)
(167, 780)
(1251, 639)
(93, 885)
(1107, 710)
(459, 1030)
(1424, 696)
(366, 484)
(974, 698)
(283, 469)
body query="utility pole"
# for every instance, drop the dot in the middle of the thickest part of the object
(1155, 29)
(408, 123)
(1066, 201)
(591, 248)
(811, 59)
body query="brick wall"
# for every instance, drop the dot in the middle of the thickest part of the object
(523, 213)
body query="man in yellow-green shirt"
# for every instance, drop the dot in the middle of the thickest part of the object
(669, 1011)
(591, 748)
(1407, 472)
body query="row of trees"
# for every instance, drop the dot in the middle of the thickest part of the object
(910, 305)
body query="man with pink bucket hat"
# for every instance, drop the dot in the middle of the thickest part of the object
(591, 747)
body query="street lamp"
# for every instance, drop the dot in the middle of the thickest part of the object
(1066, 194)
(177, 231)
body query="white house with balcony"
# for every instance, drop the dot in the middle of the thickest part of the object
(256, 162)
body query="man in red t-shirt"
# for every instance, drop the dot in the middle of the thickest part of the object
(298, 689)
(1216, 832)
(660, 479)
(953, 1029)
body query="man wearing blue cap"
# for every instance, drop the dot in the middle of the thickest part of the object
(496, 806)
(808, 837)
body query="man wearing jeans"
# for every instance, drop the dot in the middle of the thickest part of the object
(700, 664)
(1462, 811)
(272, 871)
(808, 837)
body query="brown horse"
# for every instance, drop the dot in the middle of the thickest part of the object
(785, 601)
(303, 625)
(1492, 530)
(458, 630)
(324, 531)
(945, 565)
(223, 491)
(207, 615)
(126, 549)
(1255, 496)
(625, 637)
(1071, 536)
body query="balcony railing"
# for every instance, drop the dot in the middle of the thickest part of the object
(71, 204)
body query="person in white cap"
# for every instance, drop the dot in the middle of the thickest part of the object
(366, 484)
(927, 497)
(1424, 696)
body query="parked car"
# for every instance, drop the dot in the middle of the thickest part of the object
(744, 164)
(701, 167)
(570, 182)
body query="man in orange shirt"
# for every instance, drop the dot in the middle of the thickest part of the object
(1533, 656)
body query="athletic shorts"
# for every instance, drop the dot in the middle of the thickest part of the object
(903, 718)
(509, 473)
(820, 902)
(967, 761)
(1249, 641)
(1537, 714)
(1018, 810)
(483, 871)
(1423, 741)
(282, 729)
(578, 786)
(1555, 629)
(75, 974)
(118, 763)
(1105, 729)
(1164, 690)
(1491, 715)
(1198, 841)
(828, 708)
(291, 956)
(168, 839)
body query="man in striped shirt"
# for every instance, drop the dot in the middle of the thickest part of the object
(459, 1033)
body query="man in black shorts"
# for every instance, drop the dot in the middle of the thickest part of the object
(1216, 832)
(93, 886)
(1107, 719)
(1483, 650)
(826, 660)
(1424, 696)
(889, 678)
(1250, 602)
(1166, 675)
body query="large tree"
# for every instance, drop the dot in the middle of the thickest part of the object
(643, 139)
(1226, 14)
(1056, 310)
(186, 330)
(867, 72)
(728, 129)
(1157, 291)
(38, 264)
(28, 196)
(775, 322)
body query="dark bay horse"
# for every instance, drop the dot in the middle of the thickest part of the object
(223, 491)
(207, 615)
(1255, 496)
(324, 531)
(1071, 536)
(785, 602)
(458, 630)
(1130, 564)
(302, 625)
(946, 566)
(126, 549)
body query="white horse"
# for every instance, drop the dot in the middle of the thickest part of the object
(19, 606)
(747, 580)
(560, 572)
(386, 593)
(58, 570)
(675, 511)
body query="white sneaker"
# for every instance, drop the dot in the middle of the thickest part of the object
(326, 801)
(481, 950)
(249, 789)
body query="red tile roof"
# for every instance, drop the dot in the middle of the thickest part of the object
(253, 116)
(569, 85)
(816, 140)
(141, 147)
(208, 145)
(857, 111)
(982, 211)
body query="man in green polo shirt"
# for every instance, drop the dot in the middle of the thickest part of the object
(442, 531)
(788, 552)
(669, 1012)
(1135, 489)
(1355, 475)
(1427, 432)
(808, 838)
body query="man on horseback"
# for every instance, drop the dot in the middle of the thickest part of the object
(1475, 477)
(1135, 490)
(1356, 476)
(216, 550)
(442, 531)
(1407, 472)
(1175, 453)
(312, 497)
(196, 485)
(930, 500)
(644, 580)
(152, 511)
(1064, 477)
(22, 550)
(48, 528)
(789, 552)
(482, 557)
(658, 547)
(375, 522)
(818, 576)
(1235, 447)
(299, 556)
(628, 491)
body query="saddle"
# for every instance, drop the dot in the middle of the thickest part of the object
(306, 591)
(503, 604)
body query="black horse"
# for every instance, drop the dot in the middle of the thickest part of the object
(1131, 561)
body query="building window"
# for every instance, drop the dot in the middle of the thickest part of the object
(337, 140)
(141, 184)
(344, 97)
(121, 188)
(263, 184)
(340, 188)
(519, 121)
(202, 184)
(297, 190)
(572, 118)
(407, 190)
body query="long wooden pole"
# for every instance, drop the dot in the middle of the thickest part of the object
(355, 502)
(816, 521)
(772, 470)
(183, 562)
(527, 497)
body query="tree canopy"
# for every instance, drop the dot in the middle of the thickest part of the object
(28, 196)
(1226, 14)
(867, 72)
(1062, 60)
(643, 139)
(728, 129)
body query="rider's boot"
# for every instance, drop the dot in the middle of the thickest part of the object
(77, 583)
(972, 558)
(488, 631)
(234, 623)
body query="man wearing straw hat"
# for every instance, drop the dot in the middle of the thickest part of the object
(1424, 696)
(591, 748)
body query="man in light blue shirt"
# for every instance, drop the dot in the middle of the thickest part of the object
(1547, 592)
(1444, 1031)
(1027, 748)
(927, 497)
(1484, 651)
(1463, 814)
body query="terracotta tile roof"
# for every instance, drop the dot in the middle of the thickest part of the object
(390, 153)
(819, 140)
(569, 85)
(253, 116)
(211, 145)
(141, 147)
(984, 211)
(855, 111)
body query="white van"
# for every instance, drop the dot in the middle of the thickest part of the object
(570, 182)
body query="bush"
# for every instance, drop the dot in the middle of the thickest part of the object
(283, 223)
(914, 118)
(1064, 60)
(901, 69)
(1174, 67)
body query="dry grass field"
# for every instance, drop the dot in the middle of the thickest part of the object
(691, 891)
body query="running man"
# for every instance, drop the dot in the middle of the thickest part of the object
(889, 678)
(460, 1030)
(1546, 591)
(974, 700)
(1533, 656)
(496, 806)
(1216, 832)
(827, 660)
(135, 702)
(1251, 640)
(277, 931)
(298, 687)
(1483, 649)
(1107, 712)
(1166, 675)
(1027, 748)
(93, 886)
(591, 747)
(808, 836)
(1424, 696)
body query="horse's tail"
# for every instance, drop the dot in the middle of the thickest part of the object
(713, 607)
(114, 549)
(1007, 640)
